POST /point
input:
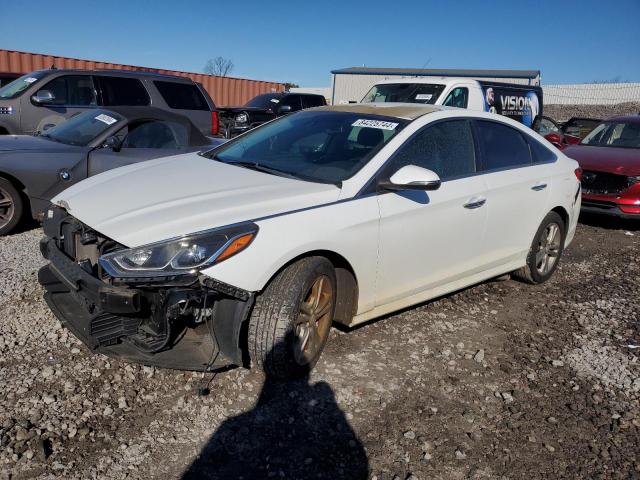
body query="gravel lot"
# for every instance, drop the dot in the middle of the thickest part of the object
(502, 380)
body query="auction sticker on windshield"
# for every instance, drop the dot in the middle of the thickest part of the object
(363, 122)
(424, 96)
(106, 119)
(30, 80)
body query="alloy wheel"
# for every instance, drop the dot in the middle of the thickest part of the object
(7, 207)
(314, 320)
(548, 248)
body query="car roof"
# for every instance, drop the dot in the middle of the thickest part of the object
(625, 118)
(119, 73)
(408, 111)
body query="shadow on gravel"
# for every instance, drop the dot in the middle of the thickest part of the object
(610, 223)
(295, 431)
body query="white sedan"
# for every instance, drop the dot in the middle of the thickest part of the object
(249, 252)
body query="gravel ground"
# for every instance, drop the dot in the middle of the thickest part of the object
(562, 113)
(502, 380)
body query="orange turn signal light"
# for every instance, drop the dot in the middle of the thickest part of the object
(236, 246)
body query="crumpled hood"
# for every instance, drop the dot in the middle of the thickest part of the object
(621, 161)
(172, 196)
(27, 143)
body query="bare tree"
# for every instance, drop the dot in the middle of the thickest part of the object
(219, 66)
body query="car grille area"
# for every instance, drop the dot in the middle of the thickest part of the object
(603, 183)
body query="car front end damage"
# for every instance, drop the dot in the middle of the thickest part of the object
(611, 194)
(162, 317)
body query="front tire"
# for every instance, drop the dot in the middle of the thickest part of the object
(11, 206)
(291, 319)
(545, 252)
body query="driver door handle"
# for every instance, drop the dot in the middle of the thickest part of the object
(539, 186)
(475, 202)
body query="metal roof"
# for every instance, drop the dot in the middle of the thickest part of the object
(454, 72)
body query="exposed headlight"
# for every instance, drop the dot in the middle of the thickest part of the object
(633, 180)
(180, 256)
(242, 118)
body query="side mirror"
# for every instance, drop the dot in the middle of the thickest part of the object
(284, 109)
(113, 143)
(412, 177)
(43, 97)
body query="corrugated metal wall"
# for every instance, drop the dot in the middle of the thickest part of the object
(225, 91)
(350, 87)
(591, 93)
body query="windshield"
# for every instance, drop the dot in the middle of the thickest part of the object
(19, 85)
(318, 146)
(404, 92)
(614, 134)
(82, 129)
(266, 101)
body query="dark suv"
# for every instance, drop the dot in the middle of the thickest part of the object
(265, 107)
(45, 98)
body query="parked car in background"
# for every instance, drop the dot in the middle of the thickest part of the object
(263, 108)
(564, 134)
(610, 159)
(522, 103)
(33, 169)
(335, 214)
(45, 98)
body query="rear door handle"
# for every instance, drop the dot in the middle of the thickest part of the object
(539, 186)
(475, 202)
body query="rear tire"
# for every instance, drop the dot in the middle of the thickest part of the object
(11, 206)
(291, 319)
(545, 252)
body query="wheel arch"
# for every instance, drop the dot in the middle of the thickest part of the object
(563, 214)
(346, 282)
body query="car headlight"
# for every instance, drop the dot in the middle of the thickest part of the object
(242, 118)
(633, 180)
(180, 256)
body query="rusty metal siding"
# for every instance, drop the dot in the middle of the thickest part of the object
(225, 91)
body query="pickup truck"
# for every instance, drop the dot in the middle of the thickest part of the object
(522, 103)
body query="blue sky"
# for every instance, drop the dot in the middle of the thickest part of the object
(301, 42)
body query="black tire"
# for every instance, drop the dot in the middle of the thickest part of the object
(531, 273)
(273, 338)
(10, 215)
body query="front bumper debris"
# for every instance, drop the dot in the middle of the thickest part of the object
(187, 323)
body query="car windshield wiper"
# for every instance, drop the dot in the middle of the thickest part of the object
(263, 168)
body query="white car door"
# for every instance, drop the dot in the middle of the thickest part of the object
(518, 191)
(432, 238)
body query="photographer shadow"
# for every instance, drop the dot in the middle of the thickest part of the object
(296, 430)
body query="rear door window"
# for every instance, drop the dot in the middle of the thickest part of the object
(182, 96)
(540, 153)
(502, 146)
(72, 90)
(446, 148)
(122, 91)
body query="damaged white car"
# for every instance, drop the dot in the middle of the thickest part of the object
(248, 253)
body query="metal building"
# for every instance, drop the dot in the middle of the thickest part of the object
(225, 91)
(351, 84)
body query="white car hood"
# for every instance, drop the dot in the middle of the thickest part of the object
(172, 196)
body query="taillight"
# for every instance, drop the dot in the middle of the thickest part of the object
(215, 123)
(578, 172)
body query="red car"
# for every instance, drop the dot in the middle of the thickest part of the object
(610, 160)
(561, 135)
